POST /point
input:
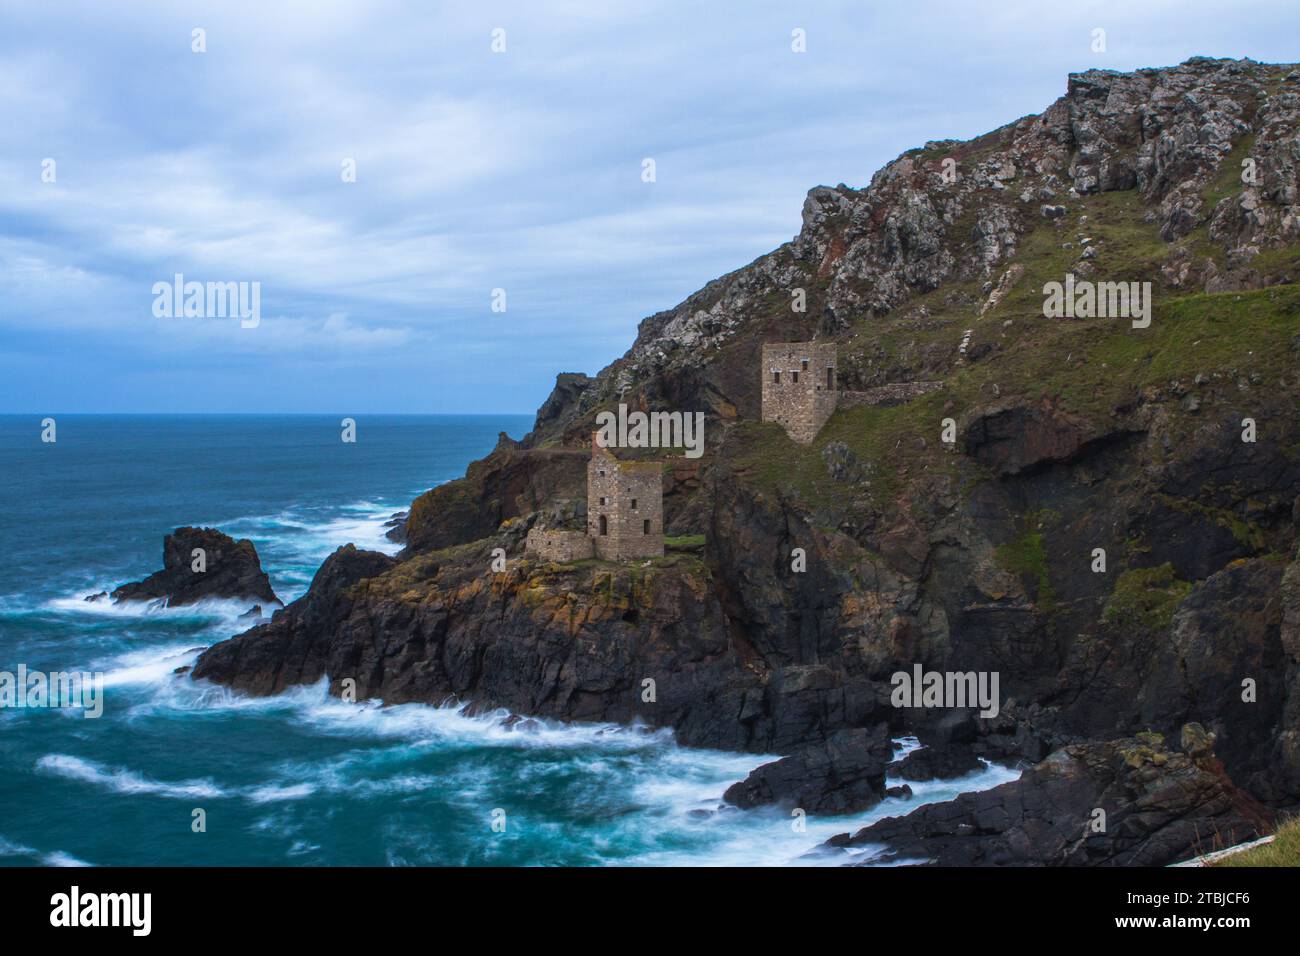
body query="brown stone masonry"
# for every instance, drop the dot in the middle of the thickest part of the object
(625, 506)
(799, 389)
(559, 545)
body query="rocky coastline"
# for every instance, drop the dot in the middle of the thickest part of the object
(1074, 437)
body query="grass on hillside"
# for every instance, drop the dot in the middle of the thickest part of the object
(1283, 851)
(1089, 367)
(1145, 599)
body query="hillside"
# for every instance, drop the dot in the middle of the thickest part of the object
(1072, 434)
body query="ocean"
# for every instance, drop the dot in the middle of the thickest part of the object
(302, 778)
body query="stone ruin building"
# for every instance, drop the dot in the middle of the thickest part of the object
(799, 389)
(625, 514)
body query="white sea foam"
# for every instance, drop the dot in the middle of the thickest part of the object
(291, 546)
(293, 543)
(121, 780)
(274, 793)
(153, 666)
(226, 610)
(766, 836)
(59, 858)
(313, 706)
(54, 858)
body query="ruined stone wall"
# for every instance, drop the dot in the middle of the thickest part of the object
(559, 545)
(799, 389)
(629, 497)
(894, 393)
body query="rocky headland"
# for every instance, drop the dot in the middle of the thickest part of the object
(1112, 528)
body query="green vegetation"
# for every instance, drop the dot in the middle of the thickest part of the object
(685, 542)
(1283, 851)
(1145, 599)
(1086, 367)
(1245, 532)
(892, 444)
(1026, 557)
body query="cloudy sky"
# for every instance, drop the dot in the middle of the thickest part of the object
(475, 171)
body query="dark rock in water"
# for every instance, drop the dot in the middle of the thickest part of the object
(843, 774)
(287, 650)
(517, 722)
(254, 613)
(902, 793)
(182, 670)
(1160, 806)
(936, 763)
(231, 570)
(96, 598)
(396, 526)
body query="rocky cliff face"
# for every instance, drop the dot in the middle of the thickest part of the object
(1170, 453)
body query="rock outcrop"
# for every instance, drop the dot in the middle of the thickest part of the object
(1103, 515)
(843, 774)
(202, 564)
(1122, 802)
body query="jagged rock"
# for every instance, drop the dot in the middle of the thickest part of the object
(511, 482)
(843, 774)
(565, 400)
(396, 526)
(232, 570)
(1160, 806)
(289, 650)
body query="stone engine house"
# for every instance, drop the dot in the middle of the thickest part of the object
(625, 514)
(799, 389)
(625, 506)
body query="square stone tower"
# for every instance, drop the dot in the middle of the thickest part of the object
(625, 506)
(799, 388)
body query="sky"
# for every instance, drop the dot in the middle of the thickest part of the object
(475, 170)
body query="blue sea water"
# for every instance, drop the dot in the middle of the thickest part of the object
(303, 778)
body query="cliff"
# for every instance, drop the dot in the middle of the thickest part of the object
(1072, 434)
